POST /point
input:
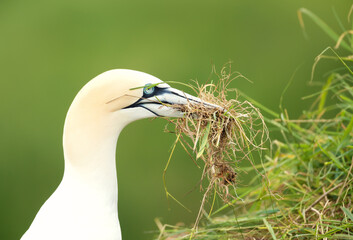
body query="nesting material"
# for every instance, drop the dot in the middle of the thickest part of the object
(220, 137)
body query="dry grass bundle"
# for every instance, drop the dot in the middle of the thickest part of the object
(221, 137)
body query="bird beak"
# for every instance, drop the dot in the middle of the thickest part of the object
(174, 96)
(161, 104)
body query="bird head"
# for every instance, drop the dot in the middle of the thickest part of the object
(132, 95)
(115, 98)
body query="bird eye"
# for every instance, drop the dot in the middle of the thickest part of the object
(148, 89)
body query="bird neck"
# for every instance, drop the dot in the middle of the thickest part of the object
(89, 143)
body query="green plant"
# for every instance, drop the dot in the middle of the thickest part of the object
(304, 185)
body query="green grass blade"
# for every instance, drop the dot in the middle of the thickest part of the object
(348, 130)
(341, 236)
(348, 213)
(317, 59)
(148, 87)
(259, 105)
(178, 202)
(333, 158)
(327, 29)
(270, 229)
(204, 141)
(324, 93)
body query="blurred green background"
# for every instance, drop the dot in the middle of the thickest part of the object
(50, 49)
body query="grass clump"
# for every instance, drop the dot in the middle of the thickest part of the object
(221, 137)
(307, 191)
(303, 187)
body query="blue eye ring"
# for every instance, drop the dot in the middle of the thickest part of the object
(148, 90)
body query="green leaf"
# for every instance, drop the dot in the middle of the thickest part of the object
(324, 93)
(348, 213)
(348, 130)
(270, 229)
(333, 158)
(204, 141)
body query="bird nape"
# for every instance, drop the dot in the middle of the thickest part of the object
(84, 206)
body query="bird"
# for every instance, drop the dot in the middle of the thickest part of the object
(85, 203)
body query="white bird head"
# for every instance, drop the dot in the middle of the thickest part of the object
(130, 94)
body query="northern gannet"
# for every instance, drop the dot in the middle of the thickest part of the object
(84, 206)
